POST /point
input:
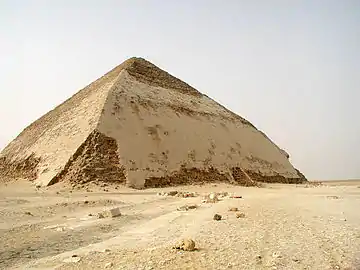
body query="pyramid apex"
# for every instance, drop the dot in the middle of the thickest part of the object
(146, 72)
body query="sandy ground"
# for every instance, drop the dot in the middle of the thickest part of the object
(285, 227)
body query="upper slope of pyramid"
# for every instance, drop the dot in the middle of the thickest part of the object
(137, 103)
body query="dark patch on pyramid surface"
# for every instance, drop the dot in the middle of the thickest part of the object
(140, 126)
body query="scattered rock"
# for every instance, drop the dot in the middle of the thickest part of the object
(276, 255)
(230, 265)
(181, 194)
(100, 215)
(172, 193)
(109, 265)
(211, 198)
(187, 207)
(115, 212)
(192, 206)
(222, 194)
(182, 208)
(240, 215)
(186, 194)
(258, 259)
(217, 217)
(186, 245)
(233, 209)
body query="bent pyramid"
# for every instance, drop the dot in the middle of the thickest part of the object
(140, 126)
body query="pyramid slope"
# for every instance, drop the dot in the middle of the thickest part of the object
(42, 149)
(140, 125)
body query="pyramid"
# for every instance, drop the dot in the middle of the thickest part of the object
(139, 126)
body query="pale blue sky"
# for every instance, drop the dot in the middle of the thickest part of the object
(292, 68)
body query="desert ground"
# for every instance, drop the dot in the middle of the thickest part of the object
(283, 227)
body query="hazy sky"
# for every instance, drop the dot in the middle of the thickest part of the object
(290, 67)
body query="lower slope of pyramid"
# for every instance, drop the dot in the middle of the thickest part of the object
(96, 160)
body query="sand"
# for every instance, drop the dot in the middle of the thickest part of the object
(285, 227)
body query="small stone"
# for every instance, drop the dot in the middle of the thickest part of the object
(186, 194)
(240, 215)
(90, 215)
(172, 193)
(236, 197)
(333, 197)
(186, 245)
(86, 202)
(187, 207)
(217, 217)
(230, 265)
(276, 255)
(115, 212)
(106, 250)
(192, 206)
(109, 265)
(28, 213)
(233, 209)
(182, 208)
(343, 219)
(211, 198)
(100, 215)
